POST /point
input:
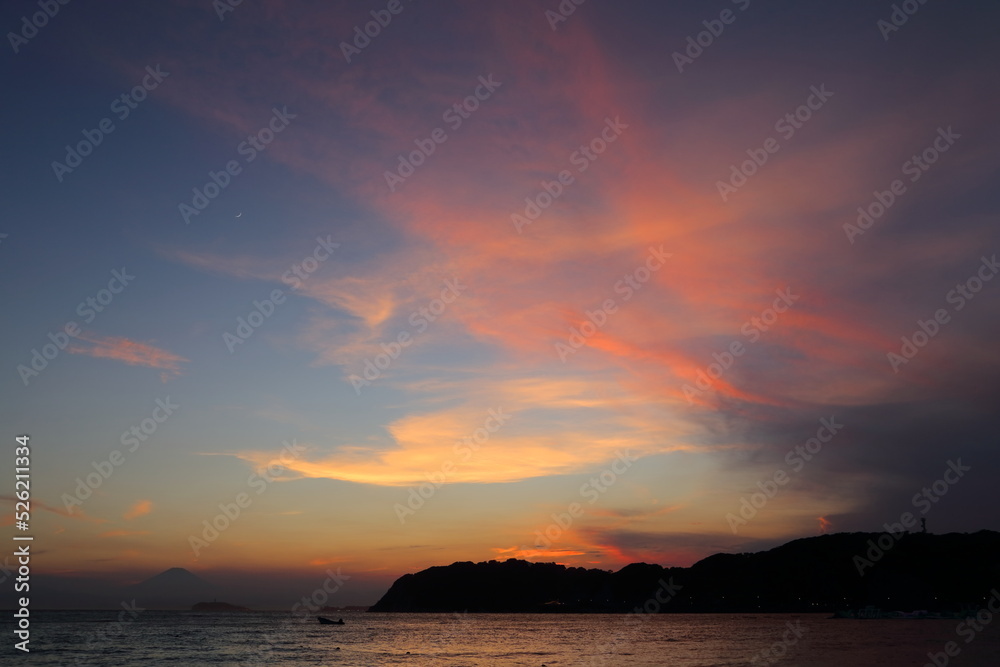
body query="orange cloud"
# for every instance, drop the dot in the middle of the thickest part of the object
(128, 351)
(123, 533)
(456, 444)
(319, 562)
(140, 508)
(545, 554)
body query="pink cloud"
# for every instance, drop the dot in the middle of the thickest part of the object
(653, 186)
(128, 351)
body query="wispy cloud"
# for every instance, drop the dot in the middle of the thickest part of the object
(128, 351)
(124, 533)
(77, 514)
(140, 508)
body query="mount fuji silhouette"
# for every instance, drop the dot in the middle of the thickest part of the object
(173, 588)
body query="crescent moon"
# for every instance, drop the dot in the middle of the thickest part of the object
(239, 214)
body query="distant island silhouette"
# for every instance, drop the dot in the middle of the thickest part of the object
(828, 573)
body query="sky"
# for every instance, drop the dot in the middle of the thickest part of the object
(298, 286)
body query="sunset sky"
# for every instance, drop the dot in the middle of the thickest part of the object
(549, 226)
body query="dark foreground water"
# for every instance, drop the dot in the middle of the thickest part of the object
(155, 639)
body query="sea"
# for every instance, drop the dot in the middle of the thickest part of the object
(162, 638)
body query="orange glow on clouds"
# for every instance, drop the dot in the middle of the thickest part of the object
(495, 348)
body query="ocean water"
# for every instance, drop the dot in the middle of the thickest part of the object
(156, 638)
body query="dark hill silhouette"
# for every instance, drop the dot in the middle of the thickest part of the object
(816, 574)
(175, 588)
(174, 577)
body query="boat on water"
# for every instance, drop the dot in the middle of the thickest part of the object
(873, 612)
(327, 621)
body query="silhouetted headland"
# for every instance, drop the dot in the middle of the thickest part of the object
(828, 573)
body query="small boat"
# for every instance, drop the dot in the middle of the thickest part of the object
(327, 621)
